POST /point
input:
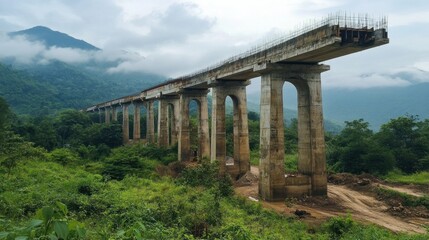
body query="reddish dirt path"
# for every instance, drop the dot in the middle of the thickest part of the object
(342, 200)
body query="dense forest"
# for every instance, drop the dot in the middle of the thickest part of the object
(66, 176)
(46, 89)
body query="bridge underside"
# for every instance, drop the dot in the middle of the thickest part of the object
(294, 60)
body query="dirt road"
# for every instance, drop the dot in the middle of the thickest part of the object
(342, 200)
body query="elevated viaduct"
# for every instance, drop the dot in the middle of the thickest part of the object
(295, 58)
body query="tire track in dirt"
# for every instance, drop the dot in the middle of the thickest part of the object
(343, 200)
(367, 208)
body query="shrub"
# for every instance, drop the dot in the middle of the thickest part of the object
(338, 226)
(50, 222)
(63, 156)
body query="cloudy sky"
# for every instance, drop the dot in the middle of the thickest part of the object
(174, 37)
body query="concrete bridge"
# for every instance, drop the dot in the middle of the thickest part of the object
(295, 58)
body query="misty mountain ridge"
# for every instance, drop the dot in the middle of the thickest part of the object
(33, 87)
(52, 38)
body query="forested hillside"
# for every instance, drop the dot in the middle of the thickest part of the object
(43, 89)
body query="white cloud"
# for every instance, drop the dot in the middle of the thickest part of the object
(366, 81)
(177, 37)
(20, 49)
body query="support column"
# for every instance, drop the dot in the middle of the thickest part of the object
(114, 114)
(204, 138)
(150, 124)
(241, 132)
(311, 143)
(237, 91)
(163, 123)
(175, 122)
(315, 166)
(184, 144)
(100, 119)
(218, 141)
(125, 124)
(271, 165)
(136, 135)
(107, 116)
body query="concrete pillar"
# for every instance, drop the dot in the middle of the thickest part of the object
(237, 91)
(311, 134)
(174, 117)
(107, 115)
(184, 144)
(218, 141)
(125, 124)
(136, 133)
(243, 132)
(114, 114)
(271, 165)
(100, 119)
(163, 138)
(203, 129)
(311, 142)
(150, 124)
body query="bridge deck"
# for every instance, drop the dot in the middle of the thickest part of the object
(323, 43)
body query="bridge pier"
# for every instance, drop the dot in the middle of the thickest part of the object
(136, 128)
(173, 119)
(125, 124)
(107, 115)
(184, 147)
(311, 179)
(150, 121)
(162, 123)
(114, 114)
(237, 91)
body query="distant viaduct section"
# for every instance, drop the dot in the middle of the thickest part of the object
(294, 58)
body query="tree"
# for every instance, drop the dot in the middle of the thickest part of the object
(355, 150)
(14, 149)
(407, 138)
(100, 133)
(5, 115)
(291, 136)
(70, 124)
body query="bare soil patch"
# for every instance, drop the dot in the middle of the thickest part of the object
(347, 194)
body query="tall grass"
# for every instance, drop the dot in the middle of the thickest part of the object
(421, 178)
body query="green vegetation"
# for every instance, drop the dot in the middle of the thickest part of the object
(47, 199)
(80, 184)
(403, 198)
(44, 89)
(402, 143)
(415, 178)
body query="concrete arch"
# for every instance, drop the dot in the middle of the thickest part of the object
(237, 91)
(184, 144)
(311, 179)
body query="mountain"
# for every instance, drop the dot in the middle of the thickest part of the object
(377, 105)
(52, 38)
(42, 88)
